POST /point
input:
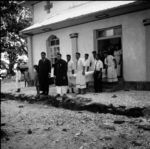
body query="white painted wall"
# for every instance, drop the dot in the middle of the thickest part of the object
(58, 6)
(133, 42)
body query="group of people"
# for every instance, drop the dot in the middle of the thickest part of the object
(65, 71)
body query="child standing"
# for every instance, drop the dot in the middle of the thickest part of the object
(36, 80)
(18, 79)
(26, 77)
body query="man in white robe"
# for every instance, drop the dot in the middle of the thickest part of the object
(111, 68)
(86, 62)
(117, 55)
(70, 72)
(87, 66)
(80, 75)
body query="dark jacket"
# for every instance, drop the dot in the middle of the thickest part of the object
(60, 72)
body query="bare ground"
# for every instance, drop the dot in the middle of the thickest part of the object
(39, 126)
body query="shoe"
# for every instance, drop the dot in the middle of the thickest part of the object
(46, 93)
(58, 95)
(72, 90)
(18, 90)
(42, 93)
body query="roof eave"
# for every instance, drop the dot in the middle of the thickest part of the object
(137, 6)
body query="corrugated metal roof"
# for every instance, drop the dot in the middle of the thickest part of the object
(87, 8)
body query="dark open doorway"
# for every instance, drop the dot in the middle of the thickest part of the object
(113, 44)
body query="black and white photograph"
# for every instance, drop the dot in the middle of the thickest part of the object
(75, 74)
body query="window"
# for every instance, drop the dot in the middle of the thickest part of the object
(109, 32)
(53, 48)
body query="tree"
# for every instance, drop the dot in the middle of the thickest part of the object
(14, 18)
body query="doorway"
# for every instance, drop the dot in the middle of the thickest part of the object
(110, 39)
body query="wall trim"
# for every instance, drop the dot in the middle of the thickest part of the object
(128, 85)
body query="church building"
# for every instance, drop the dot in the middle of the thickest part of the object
(84, 26)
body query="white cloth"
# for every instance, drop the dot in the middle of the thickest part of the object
(117, 55)
(18, 78)
(69, 73)
(70, 67)
(98, 65)
(92, 63)
(80, 78)
(61, 90)
(86, 64)
(111, 71)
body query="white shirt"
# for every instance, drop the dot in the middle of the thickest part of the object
(86, 64)
(70, 66)
(109, 61)
(98, 65)
(80, 64)
(92, 62)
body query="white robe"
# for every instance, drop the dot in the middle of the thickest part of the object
(92, 62)
(86, 64)
(111, 71)
(18, 79)
(117, 55)
(80, 78)
(69, 73)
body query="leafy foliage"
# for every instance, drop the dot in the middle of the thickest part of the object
(14, 18)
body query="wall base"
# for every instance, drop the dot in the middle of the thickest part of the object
(136, 85)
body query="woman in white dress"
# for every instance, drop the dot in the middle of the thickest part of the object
(111, 68)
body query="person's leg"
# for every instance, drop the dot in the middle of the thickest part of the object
(64, 90)
(18, 86)
(95, 82)
(68, 87)
(72, 90)
(47, 89)
(58, 90)
(101, 85)
(79, 91)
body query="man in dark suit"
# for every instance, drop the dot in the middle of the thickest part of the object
(60, 73)
(44, 73)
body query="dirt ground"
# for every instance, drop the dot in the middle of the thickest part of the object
(36, 126)
(39, 126)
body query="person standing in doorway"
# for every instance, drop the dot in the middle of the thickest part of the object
(80, 75)
(118, 57)
(70, 72)
(111, 68)
(60, 73)
(44, 66)
(98, 74)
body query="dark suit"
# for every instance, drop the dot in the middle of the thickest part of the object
(60, 71)
(44, 70)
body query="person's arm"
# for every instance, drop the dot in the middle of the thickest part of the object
(83, 70)
(49, 68)
(64, 69)
(54, 65)
(115, 62)
(73, 68)
(83, 67)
